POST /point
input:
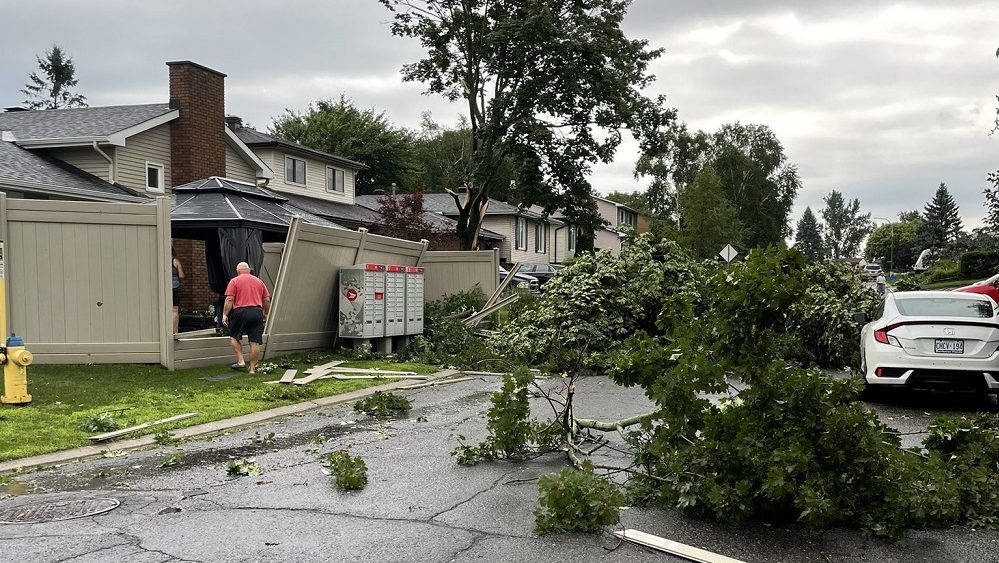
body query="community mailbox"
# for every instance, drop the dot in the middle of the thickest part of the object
(414, 300)
(395, 300)
(362, 301)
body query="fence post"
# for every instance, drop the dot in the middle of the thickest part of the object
(360, 244)
(164, 240)
(279, 283)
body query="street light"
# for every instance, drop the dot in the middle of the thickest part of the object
(891, 255)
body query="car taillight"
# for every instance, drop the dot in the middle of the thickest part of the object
(883, 337)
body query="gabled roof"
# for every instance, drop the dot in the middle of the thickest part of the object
(23, 170)
(215, 202)
(343, 213)
(75, 126)
(435, 218)
(444, 204)
(256, 139)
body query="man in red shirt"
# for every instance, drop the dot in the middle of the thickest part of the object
(247, 303)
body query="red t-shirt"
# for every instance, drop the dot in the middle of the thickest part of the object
(247, 290)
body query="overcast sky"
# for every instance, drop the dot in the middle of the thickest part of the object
(882, 101)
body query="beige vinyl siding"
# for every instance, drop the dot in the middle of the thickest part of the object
(607, 211)
(236, 168)
(315, 177)
(560, 243)
(503, 225)
(607, 240)
(149, 146)
(86, 159)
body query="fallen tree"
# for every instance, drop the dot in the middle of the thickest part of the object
(793, 444)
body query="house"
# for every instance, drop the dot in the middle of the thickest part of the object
(528, 235)
(618, 218)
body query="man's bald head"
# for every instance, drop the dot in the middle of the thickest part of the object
(242, 268)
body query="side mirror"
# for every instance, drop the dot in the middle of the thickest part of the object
(860, 318)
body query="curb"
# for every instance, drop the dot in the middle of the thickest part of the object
(87, 452)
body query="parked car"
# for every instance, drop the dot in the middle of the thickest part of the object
(938, 340)
(872, 270)
(543, 272)
(523, 281)
(989, 286)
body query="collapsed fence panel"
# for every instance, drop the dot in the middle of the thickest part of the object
(450, 272)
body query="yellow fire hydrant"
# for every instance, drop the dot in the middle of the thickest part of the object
(15, 360)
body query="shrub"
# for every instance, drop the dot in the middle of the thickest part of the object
(576, 501)
(979, 263)
(942, 271)
(349, 473)
(382, 405)
(446, 340)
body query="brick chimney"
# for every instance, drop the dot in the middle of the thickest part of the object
(197, 138)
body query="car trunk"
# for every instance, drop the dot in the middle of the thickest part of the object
(947, 338)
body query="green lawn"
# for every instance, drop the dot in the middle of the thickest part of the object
(63, 396)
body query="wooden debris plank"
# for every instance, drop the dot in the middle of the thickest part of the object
(372, 371)
(503, 285)
(130, 429)
(485, 312)
(674, 548)
(288, 377)
(324, 367)
(311, 377)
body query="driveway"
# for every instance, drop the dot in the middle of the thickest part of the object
(419, 505)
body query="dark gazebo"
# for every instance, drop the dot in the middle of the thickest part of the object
(234, 219)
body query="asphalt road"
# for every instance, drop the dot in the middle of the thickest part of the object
(419, 505)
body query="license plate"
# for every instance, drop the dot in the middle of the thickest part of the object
(948, 346)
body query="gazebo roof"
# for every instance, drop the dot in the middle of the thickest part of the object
(217, 202)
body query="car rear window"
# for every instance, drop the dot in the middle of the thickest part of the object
(945, 307)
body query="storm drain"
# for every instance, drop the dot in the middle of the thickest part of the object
(55, 511)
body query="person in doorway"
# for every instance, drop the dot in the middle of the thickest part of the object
(177, 276)
(247, 303)
(879, 282)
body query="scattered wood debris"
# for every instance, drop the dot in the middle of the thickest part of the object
(440, 382)
(288, 377)
(674, 548)
(130, 429)
(486, 311)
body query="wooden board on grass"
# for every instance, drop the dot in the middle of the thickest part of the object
(324, 367)
(130, 429)
(288, 377)
(311, 377)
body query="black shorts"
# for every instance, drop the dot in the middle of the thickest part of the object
(176, 297)
(248, 321)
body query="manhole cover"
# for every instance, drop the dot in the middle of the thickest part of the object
(54, 511)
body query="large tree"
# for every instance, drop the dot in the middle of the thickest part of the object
(443, 159)
(846, 227)
(339, 127)
(808, 236)
(895, 242)
(751, 164)
(942, 219)
(51, 89)
(709, 219)
(548, 85)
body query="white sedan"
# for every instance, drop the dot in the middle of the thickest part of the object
(937, 340)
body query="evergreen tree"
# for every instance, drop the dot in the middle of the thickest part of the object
(943, 223)
(51, 90)
(845, 226)
(808, 238)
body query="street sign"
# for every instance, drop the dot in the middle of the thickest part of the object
(728, 253)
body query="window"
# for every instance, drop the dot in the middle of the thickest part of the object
(521, 234)
(540, 237)
(294, 170)
(625, 217)
(944, 307)
(572, 239)
(334, 180)
(154, 177)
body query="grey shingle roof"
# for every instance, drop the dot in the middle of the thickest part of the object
(214, 202)
(77, 122)
(435, 218)
(253, 138)
(24, 169)
(444, 204)
(349, 215)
